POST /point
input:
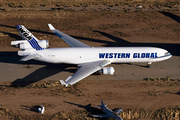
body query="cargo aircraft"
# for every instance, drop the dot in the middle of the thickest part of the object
(108, 113)
(89, 59)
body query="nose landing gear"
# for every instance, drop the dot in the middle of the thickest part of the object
(149, 64)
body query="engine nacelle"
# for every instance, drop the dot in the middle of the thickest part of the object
(44, 43)
(107, 70)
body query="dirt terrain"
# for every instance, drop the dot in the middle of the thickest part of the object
(148, 96)
(153, 98)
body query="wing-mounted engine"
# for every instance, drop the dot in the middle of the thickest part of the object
(107, 70)
(24, 44)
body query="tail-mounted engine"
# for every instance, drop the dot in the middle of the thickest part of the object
(44, 43)
(107, 70)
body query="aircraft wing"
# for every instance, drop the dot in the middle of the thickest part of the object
(102, 116)
(85, 70)
(68, 39)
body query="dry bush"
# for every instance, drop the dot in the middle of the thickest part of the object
(34, 14)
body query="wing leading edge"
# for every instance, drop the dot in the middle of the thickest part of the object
(68, 39)
(85, 70)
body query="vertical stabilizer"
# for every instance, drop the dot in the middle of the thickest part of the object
(26, 35)
(103, 104)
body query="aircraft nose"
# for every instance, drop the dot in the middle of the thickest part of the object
(167, 55)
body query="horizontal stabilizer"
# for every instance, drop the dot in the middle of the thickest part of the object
(118, 111)
(102, 116)
(17, 42)
(98, 106)
(29, 57)
(105, 104)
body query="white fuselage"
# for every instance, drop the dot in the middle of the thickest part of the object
(80, 55)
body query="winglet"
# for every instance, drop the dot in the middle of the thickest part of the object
(63, 83)
(51, 27)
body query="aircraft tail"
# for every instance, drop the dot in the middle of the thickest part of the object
(102, 104)
(24, 33)
(27, 36)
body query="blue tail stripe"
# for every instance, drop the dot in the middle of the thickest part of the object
(31, 44)
(18, 26)
(35, 44)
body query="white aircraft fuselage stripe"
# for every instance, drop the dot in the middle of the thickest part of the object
(113, 54)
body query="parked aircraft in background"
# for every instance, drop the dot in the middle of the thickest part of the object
(89, 59)
(109, 113)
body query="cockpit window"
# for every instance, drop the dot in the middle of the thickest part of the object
(166, 53)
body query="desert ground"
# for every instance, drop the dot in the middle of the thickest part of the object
(143, 93)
